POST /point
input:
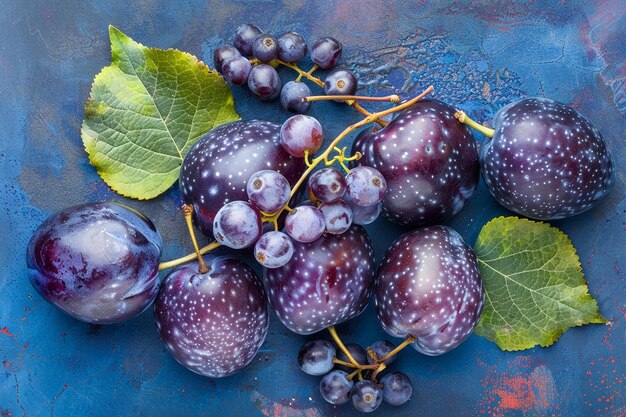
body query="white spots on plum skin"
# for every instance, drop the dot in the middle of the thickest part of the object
(325, 283)
(213, 324)
(429, 287)
(426, 166)
(546, 161)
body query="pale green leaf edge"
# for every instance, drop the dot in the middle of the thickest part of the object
(89, 141)
(492, 334)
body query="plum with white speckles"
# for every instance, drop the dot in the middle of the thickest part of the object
(429, 287)
(213, 323)
(217, 168)
(546, 161)
(98, 262)
(326, 282)
(429, 160)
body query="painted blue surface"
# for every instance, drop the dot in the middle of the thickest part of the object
(479, 56)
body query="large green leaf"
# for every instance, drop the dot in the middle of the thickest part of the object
(534, 286)
(144, 113)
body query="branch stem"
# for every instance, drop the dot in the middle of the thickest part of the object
(463, 118)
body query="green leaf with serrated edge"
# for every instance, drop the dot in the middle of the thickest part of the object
(145, 111)
(534, 286)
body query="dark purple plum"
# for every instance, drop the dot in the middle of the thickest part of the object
(546, 161)
(217, 168)
(429, 287)
(99, 262)
(429, 160)
(213, 323)
(326, 282)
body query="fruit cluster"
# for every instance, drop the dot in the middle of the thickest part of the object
(254, 54)
(242, 181)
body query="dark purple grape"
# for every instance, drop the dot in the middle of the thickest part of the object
(300, 133)
(245, 36)
(236, 70)
(365, 186)
(429, 160)
(546, 161)
(292, 47)
(214, 323)
(365, 215)
(326, 52)
(265, 48)
(380, 349)
(335, 387)
(397, 388)
(366, 396)
(429, 287)
(274, 249)
(237, 225)
(268, 190)
(340, 83)
(99, 262)
(326, 282)
(223, 54)
(316, 357)
(327, 185)
(305, 224)
(291, 97)
(358, 354)
(264, 82)
(217, 168)
(337, 216)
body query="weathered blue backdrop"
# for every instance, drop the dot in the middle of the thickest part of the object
(479, 56)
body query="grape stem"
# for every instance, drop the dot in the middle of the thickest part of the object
(188, 213)
(323, 157)
(344, 349)
(390, 99)
(463, 118)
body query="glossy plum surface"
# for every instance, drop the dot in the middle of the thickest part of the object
(213, 323)
(429, 287)
(96, 262)
(546, 161)
(429, 161)
(325, 283)
(218, 167)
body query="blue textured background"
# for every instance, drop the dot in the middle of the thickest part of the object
(479, 56)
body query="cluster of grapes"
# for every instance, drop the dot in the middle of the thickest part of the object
(336, 201)
(252, 59)
(319, 357)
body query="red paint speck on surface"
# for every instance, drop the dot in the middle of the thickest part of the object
(5, 330)
(272, 408)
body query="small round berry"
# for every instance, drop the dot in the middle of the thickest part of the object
(223, 54)
(365, 215)
(291, 97)
(335, 387)
(273, 250)
(236, 70)
(337, 216)
(245, 36)
(292, 47)
(397, 388)
(268, 190)
(305, 224)
(316, 357)
(366, 396)
(264, 82)
(380, 349)
(265, 48)
(237, 225)
(366, 186)
(327, 185)
(340, 83)
(300, 133)
(326, 52)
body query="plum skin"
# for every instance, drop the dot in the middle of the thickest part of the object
(546, 161)
(325, 283)
(429, 160)
(214, 323)
(429, 287)
(96, 262)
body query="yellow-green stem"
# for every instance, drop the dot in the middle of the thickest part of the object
(179, 261)
(343, 347)
(463, 118)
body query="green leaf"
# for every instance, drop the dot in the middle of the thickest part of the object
(145, 111)
(534, 286)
